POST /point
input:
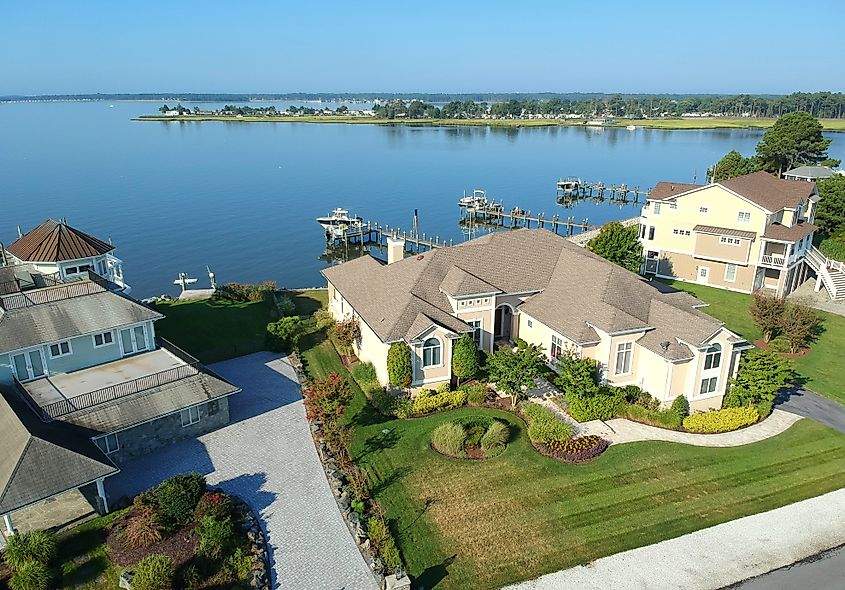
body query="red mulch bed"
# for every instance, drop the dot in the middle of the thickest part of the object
(181, 546)
(786, 355)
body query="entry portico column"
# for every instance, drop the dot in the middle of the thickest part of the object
(10, 528)
(101, 492)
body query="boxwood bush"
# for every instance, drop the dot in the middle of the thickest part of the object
(426, 401)
(662, 419)
(178, 497)
(723, 420)
(601, 406)
(476, 392)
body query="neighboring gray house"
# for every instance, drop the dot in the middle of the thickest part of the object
(87, 382)
(809, 173)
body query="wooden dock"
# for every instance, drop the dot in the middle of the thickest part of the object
(493, 214)
(375, 233)
(599, 191)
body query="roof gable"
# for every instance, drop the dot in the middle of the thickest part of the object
(769, 192)
(55, 241)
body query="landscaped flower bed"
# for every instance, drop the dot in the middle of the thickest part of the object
(477, 437)
(580, 449)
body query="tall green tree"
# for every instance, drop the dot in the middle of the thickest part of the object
(514, 372)
(795, 139)
(465, 363)
(619, 244)
(733, 164)
(762, 374)
(399, 370)
(830, 216)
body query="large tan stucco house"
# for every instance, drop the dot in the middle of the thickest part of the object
(537, 286)
(747, 233)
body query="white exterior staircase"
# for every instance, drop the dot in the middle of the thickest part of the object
(830, 273)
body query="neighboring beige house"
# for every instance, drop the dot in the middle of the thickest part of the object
(747, 233)
(540, 287)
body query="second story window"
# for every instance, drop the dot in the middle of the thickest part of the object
(657, 208)
(60, 349)
(624, 353)
(108, 443)
(431, 352)
(651, 232)
(103, 339)
(743, 217)
(681, 232)
(713, 357)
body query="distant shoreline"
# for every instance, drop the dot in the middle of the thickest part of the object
(833, 125)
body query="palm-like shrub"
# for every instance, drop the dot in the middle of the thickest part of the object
(154, 572)
(495, 438)
(30, 575)
(39, 546)
(449, 439)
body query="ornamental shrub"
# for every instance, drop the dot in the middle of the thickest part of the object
(30, 575)
(465, 361)
(178, 497)
(382, 541)
(577, 377)
(764, 408)
(246, 292)
(216, 536)
(662, 419)
(399, 368)
(143, 529)
(681, 406)
(495, 438)
(216, 504)
(285, 305)
(326, 399)
(723, 420)
(154, 572)
(324, 319)
(364, 373)
(39, 546)
(285, 334)
(426, 401)
(448, 438)
(639, 397)
(383, 401)
(543, 425)
(578, 449)
(403, 408)
(476, 393)
(601, 406)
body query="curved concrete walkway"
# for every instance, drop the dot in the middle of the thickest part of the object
(620, 430)
(266, 456)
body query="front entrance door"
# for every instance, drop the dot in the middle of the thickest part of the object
(703, 275)
(29, 365)
(504, 321)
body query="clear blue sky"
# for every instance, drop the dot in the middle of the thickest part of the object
(83, 46)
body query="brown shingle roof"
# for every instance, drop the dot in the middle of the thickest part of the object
(459, 282)
(665, 190)
(724, 231)
(575, 291)
(770, 192)
(53, 241)
(777, 231)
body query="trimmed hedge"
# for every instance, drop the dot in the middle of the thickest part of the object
(426, 402)
(723, 420)
(576, 450)
(543, 426)
(661, 419)
(600, 406)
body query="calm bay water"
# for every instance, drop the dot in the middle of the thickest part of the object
(242, 197)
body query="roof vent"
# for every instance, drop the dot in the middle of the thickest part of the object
(665, 345)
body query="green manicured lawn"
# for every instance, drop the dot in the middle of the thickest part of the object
(82, 554)
(484, 524)
(214, 329)
(819, 368)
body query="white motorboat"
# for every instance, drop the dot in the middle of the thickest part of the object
(631, 127)
(477, 199)
(339, 219)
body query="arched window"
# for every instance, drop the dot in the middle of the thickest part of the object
(431, 352)
(713, 357)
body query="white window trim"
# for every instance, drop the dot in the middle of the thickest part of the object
(480, 328)
(25, 353)
(103, 334)
(629, 352)
(424, 366)
(108, 450)
(702, 210)
(730, 241)
(187, 412)
(552, 356)
(657, 208)
(728, 266)
(743, 217)
(708, 380)
(59, 344)
(135, 349)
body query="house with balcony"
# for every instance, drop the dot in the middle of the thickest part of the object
(56, 250)
(540, 287)
(84, 377)
(747, 233)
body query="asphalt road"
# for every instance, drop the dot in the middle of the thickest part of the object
(825, 571)
(811, 405)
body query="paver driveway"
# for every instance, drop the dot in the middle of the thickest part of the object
(267, 457)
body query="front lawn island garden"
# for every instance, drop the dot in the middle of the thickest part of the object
(485, 524)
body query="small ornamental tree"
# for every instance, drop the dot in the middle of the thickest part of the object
(800, 325)
(399, 370)
(513, 371)
(326, 399)
(577, 376)
(347, 332)
(761, 375)
(767, 312)
(285, 334)
(465, 363)
(619, 244)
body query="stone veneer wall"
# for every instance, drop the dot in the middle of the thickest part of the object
(167, 430)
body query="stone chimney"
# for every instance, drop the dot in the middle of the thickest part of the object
(395, 250)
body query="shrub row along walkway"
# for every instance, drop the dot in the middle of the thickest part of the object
(621, 430)
(721, 555)
(267, 457)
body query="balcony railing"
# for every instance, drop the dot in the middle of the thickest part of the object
(49, 288)
(773, 260)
